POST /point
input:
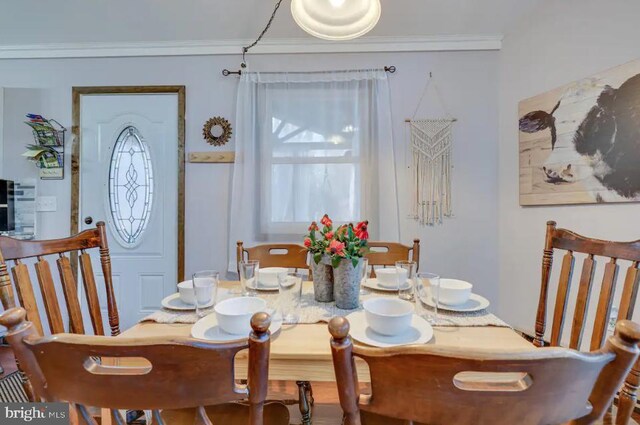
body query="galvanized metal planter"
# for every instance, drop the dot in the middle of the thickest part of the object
(346, 284)
(322, 280)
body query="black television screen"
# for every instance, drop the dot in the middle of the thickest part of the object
(7, 206)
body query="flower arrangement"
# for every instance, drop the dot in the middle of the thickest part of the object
(318, 240)
(346, 242)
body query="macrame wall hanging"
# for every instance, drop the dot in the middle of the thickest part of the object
(431, 166)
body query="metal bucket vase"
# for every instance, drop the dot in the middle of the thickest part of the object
(322, 280)
(346, 284)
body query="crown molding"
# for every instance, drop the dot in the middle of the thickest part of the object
(273, 46)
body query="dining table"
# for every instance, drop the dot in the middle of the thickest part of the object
(301, 352)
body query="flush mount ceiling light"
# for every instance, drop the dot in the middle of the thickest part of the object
(336, 19)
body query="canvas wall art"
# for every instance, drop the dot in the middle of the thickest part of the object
(580, 143)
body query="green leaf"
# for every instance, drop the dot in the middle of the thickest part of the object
(350, 232)
(317, 257)
(335, 261)
(312, 236)
(354, 261)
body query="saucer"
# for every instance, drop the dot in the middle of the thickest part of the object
(474, 303)
(173, 302)
(420, 332)
(373, 283)
(207, 329)
(262, 286)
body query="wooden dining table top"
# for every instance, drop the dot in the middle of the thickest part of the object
(302, 351)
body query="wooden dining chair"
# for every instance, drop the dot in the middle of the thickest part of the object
(168, 377)
(436, 385)
(18, 250)
(566, 240)
(290, 256)
(385, 254)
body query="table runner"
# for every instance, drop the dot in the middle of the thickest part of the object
(311, 311)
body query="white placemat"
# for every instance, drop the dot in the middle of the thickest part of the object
(311, 311)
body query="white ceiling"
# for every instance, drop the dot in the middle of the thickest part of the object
(29, 22)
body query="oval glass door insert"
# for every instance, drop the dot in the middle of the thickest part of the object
(130, 186)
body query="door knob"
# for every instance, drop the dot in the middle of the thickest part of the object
(88, 220)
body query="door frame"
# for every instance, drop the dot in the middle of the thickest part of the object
(77, 92)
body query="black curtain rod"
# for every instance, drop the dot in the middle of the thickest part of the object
(390, 69)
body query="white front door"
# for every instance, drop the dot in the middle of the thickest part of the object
(129, 179)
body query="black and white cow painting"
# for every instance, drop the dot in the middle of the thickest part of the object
(586, 146)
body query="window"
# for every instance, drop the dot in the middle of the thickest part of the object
(130, 186)
(311, 155)
(310, 143)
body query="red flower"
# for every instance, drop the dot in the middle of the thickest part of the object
(326, 221)
(336, 248)
(328, 235)
(313, 226)
(307, 242)
(361, 230)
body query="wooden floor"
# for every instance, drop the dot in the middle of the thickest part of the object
(326, 409)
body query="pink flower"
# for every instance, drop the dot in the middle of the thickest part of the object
(361, 230)
(313, 226)
(328, 235)
(336, 248)
(326, 221)
(307, 242)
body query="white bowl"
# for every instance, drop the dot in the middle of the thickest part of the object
(234, 314)
(454, 291)
(269, 275)
(388, 316)
(390, 277)
(188, 296)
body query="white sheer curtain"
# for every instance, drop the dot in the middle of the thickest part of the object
(309, 144)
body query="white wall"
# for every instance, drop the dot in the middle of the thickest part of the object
(1, 131)
(465, 246)
(18, 102)
(560, 42)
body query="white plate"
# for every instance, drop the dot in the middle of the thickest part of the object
(207, 328)
(173, 302)
(474, 303)
(373, 283)
(420, 332)
(262, 286)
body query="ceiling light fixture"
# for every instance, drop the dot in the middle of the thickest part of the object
(336, 19)
(327, 19)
